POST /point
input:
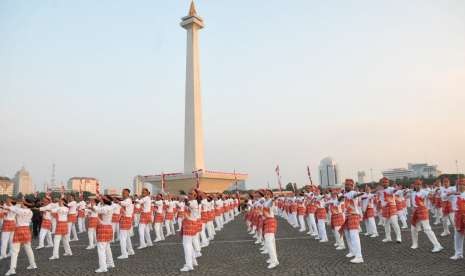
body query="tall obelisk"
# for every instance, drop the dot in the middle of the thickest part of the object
(193, 135)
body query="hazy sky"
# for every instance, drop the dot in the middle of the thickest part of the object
(98, 86)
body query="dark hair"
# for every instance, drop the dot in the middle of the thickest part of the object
(126, 189)
(147, 190)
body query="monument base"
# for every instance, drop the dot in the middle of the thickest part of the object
(208, 181)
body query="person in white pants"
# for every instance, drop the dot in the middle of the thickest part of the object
(81, 215)
(321, 217)
(61, 231)
(368, 209)
(104, 234)
(92, 222)
(459, 209)
(352, 222)
(188, 232)
(204, 206)
(115, 221)
(8, 228)
(420, 217)
(388, 204)
(46, 225)
(448, 200)
(269, 230)
(159, 218)
(72, 218)
(145, 219)
(301, 213)
(22, 236)
(181, 213)
(169, 217)
(127, 210)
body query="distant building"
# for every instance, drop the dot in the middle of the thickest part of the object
(138, 185)
(329, 172)
(83, 184)
(6, 186)
(112, 191)
(361, 177)
(23, 182)
(240, 186)
(423, 170)
(420, 170)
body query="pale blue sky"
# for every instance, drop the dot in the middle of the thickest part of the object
(98, 86)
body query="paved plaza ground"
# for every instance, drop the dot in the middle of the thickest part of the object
(234, 253)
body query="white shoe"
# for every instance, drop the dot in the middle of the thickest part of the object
(399, 241)
(49, 246)
(387, 240)
(141, 247)
(414, 246)
(122, 257)
(68, 254)
(10, 272)
(374, 236)
(357, 260)
(39, 247)
(101, 270)
(186, 269)
(197, 254)
(323, 241)
(53, 258)
(273, 265)
(131, 253)
(111, 266)
(437, 249)
(157, 240)
(33, 266)
(90, 247)
(340, 248)
(350, 255)
(455, 257)
(264, 252)
(444, 234)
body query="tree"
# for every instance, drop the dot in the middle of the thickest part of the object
(289, 187)
(182, 192)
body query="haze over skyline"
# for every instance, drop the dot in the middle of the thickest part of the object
(97, 87)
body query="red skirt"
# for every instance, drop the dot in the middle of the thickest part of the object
(180, 214)
(460, 221)
(22, 235)
(337, 220)
(92, 222)
(9, 225)
(389, 211)
(352, 222)
(145, 218)
(321, 213)
(62, 228)
(158, 218)
(419, 214)
(104, 233)
(72, 218)
(369, 213)
(270, 225)
(115, 218)
(188, 228)
(125, 223)
(169, 216)
(81, 214)
(46, 224)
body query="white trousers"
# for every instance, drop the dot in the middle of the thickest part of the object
(322, 230)
(56, 245)
(392, 221)
(45, 233)
(115, 227)
(427, 229)
(72, 230)
(179, 224)
(270, 246)
(7, 240)
(458, 243)
(81, 225)
(448, 220)
(187, 244)
(312, 229)
(370, 225)
(144, 235)
(105, 258)
(302, 223)
(338, 237)
(158, 231)
(203, 235)
(125, 243)
(92, 235)
(210, 230)
(54, 225)
(353, 241)
(169, 224)
(15, 252)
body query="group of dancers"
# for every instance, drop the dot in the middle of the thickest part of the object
(348, 209)
(108, 219)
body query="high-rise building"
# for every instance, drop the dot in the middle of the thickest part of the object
(424, 170)
(6, 186)
(398, 174)
(361, 177)
(83, 184)
(329, 172)
(23, 182)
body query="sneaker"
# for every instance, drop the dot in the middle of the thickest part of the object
(186, 269)
(340, 248)
(444, 234)
(68, 254)
(455, 257)
(33, 266)
(90, 247)
(39, 247)
(374, 236)
(53, 258)
(131, 253)
(10, 272)
(357, 260)
(387, 240)
(111, 266)
(273, 265)
(350, 255)
(437, 249)
(414, 246)
(101, 270)
(122, 257)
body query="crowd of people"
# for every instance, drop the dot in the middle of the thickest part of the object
(347, 210)
(107, 219)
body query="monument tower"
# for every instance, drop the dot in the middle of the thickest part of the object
(195, 175)
(193, 135)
